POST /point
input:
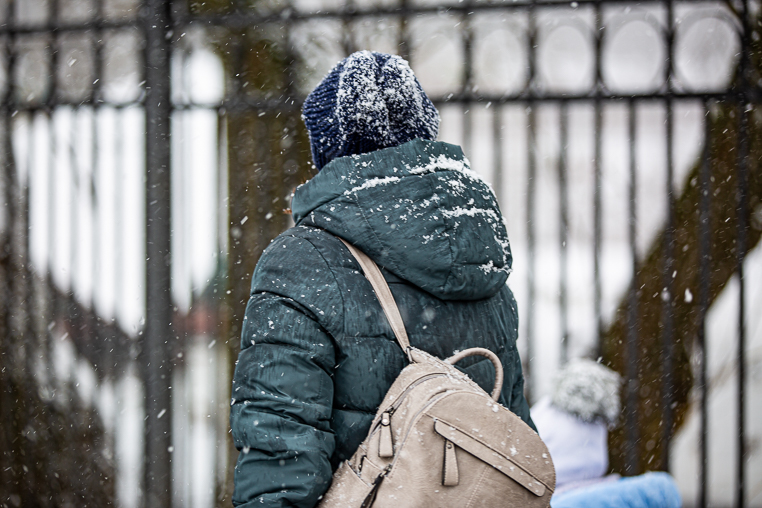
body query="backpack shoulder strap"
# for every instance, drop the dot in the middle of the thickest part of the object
(383, 293)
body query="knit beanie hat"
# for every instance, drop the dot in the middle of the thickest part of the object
(367, 102)
(588, 390)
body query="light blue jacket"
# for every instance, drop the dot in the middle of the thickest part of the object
(651, 490)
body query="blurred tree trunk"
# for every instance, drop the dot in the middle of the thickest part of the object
(53, 449)
(268, 156)
(684, 301)
(262, 176)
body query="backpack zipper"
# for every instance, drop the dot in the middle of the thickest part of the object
(383, 425)
(397, 403)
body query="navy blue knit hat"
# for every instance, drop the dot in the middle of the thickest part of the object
(367, 102)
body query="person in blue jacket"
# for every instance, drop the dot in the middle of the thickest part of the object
(317, 353)
(573, 422)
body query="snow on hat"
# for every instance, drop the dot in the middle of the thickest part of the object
(367, 102)
(588, 390)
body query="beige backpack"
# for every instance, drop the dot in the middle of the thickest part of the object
(439, 440)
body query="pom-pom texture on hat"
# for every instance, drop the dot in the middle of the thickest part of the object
(367, 102)
(589, 391)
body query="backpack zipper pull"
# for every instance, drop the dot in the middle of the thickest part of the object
(450, 476)
(385, 444)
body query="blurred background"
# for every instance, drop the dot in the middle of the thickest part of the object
(149, 150)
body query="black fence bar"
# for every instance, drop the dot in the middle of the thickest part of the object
(244, 18)
(597, 228)
(54, 300)
(96, 95)
(668, 253)
(74, 228)
(597, 291)
(8, 258)
(403, 42)
(466, 84)
(531, 247)
(55, 26)
(347, 39)
(597, 154)
(53, 296)
(537, 95)
(235, 81)
(668, 296)
(741, 245)
(74, 217)
(96, 239)
(704, 274)
(25, 309)
(243, 104)
(743, 211)
(563, 230)
(9, 175)
(252, 18)
(631, 357)
(467, 124)
(7, 397)
(531, 118)
(155, 349)
(31, 107)
(240, 103)
(497, 152)
(290, 57)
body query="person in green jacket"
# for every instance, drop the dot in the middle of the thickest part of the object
(317, 353)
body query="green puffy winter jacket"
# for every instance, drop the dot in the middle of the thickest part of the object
(317, 353)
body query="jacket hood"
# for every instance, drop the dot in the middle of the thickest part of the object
(417, 210)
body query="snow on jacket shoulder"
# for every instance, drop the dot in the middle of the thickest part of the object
(317, 353)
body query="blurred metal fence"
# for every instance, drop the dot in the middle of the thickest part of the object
(622, 139)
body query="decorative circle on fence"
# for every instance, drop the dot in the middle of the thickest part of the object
(500, 61)
(633, 54)
(32, 72)
(566, 58)
(707, 50)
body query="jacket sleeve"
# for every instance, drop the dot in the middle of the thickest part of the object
(282, 388)
(519, 404)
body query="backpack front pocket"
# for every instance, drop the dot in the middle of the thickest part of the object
(348, 490)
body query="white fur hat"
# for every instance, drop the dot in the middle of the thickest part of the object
(588, 390)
